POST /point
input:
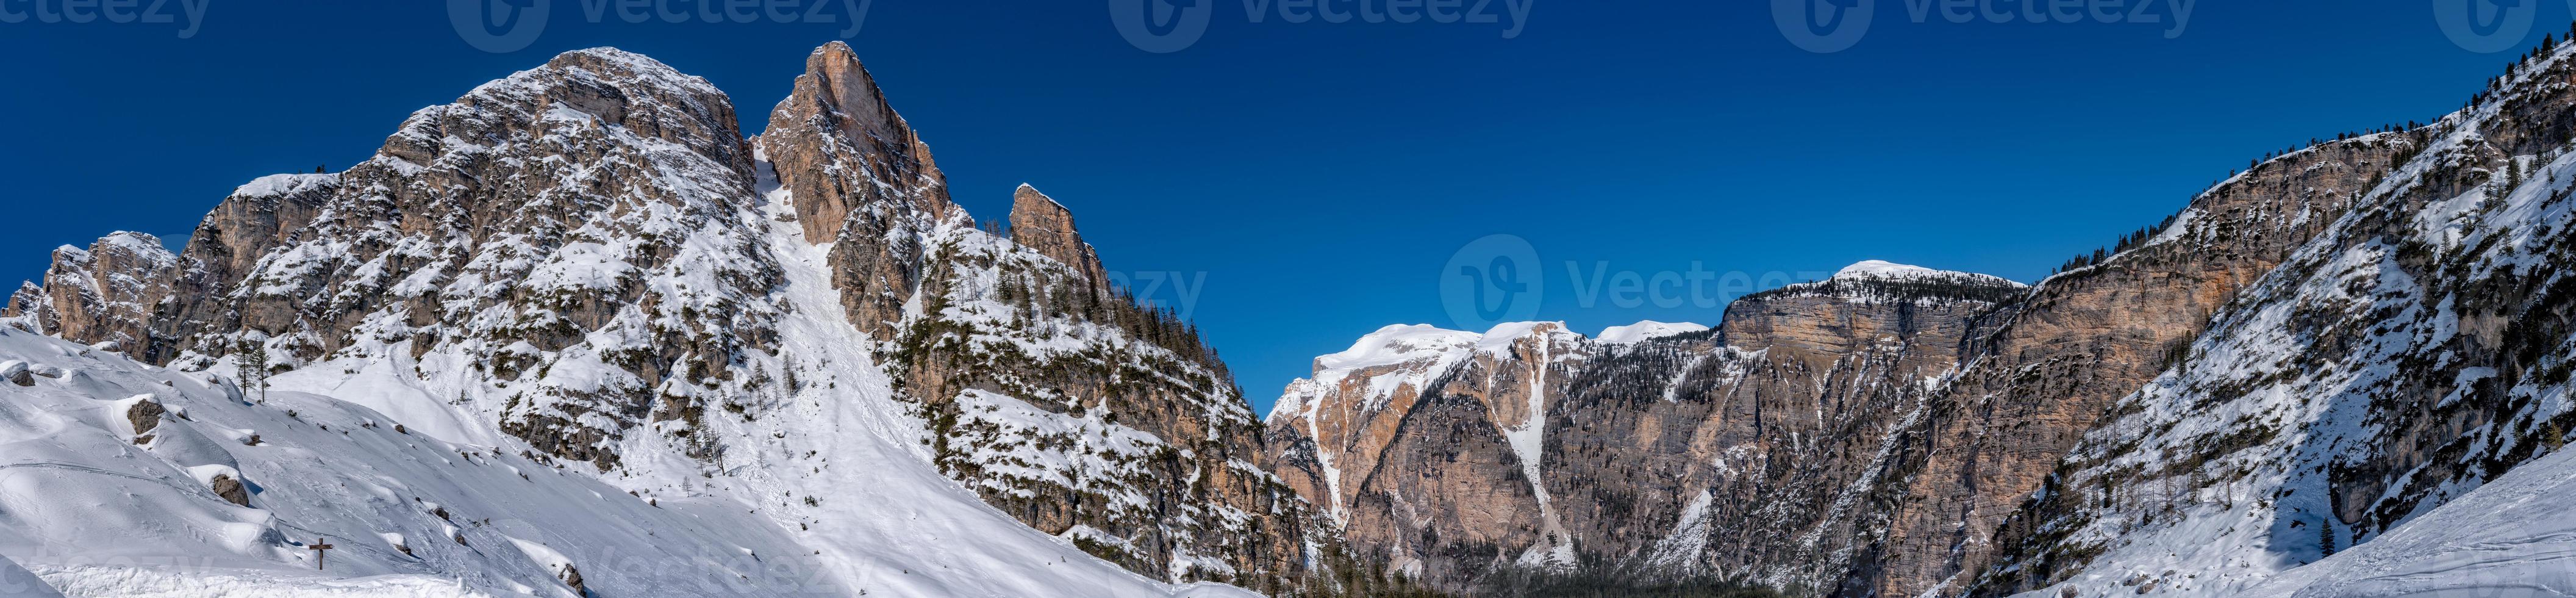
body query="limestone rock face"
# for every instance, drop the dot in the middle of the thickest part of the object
(1892, 433)
(1866, 434)
(862, 180)
(1749, 449)
(1428, 445)
(2090, 337)
(227, 246)
(2410, 345)
(1041, 224)
(23, 304)
(106, 293)
(1487, 420)
(1020, 359)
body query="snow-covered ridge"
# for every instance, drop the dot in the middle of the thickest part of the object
(1646, 331)
(1884, 270)
(1877, 281)
(282, 184)
(1436, 348)
(1396, 344)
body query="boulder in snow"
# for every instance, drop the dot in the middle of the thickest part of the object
(145, 414)
(232, 490)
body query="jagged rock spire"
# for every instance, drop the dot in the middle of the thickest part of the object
(1040, 223)
(860, 178)
(838, 116)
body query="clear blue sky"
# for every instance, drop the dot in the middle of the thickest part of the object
(1322, 174)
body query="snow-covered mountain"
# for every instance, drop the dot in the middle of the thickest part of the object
(2414, 352)
(576, 321)
(2321, 352)
(574, 333)
(1747, 449)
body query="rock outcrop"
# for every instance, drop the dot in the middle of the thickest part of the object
(2089, 337)
(143, 417)
(231, 490)
(1041, 224)
(106, 293)
(862, 180)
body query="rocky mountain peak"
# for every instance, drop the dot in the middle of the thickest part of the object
(840, 82)
(838, 116)
(1040, 223)
(858, 177)
(574, 92)
(583, 264)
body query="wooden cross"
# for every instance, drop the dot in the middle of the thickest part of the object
(318, 547)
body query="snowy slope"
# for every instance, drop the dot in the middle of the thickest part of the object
(18, 581)
(2513, 538)
(639, 372)
(2388, 369)
(333, 470)
(97, 514)
(1645, 331)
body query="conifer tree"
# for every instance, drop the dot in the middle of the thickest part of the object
(251, 365)
(2326, 537)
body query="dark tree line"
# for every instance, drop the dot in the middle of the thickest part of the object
(1108, 305)
(1599, 581)
(2127, 242)
(1946, 288)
